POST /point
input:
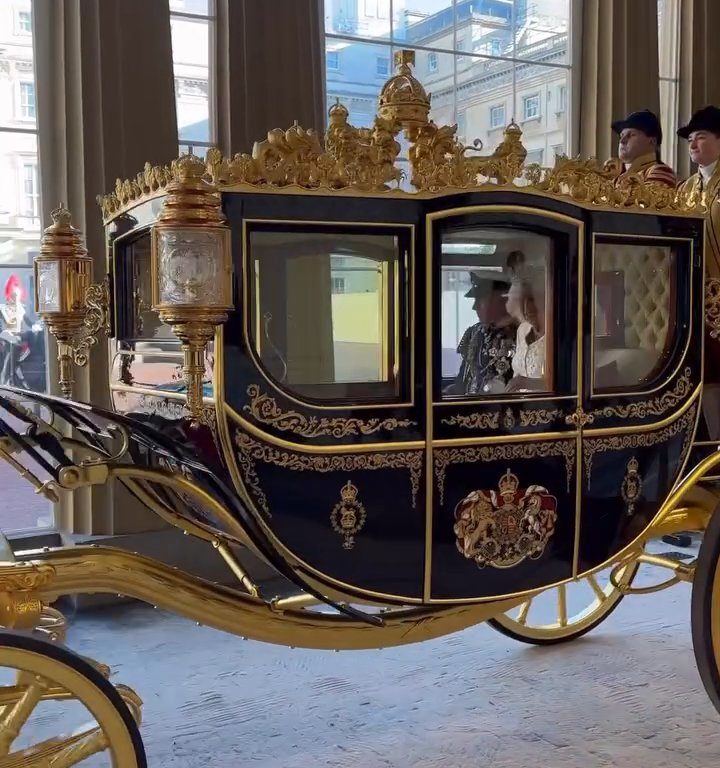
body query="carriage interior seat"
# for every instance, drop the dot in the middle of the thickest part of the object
(632, 340)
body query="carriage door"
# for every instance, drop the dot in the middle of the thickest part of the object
(644, 325)
(503, 348)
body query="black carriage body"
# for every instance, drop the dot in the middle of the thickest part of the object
(392, 485)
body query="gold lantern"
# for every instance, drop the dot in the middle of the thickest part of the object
(73, 308)
(192, 269)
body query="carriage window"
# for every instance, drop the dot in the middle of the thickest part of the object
(134, 284)
(497, 314)
(325, 311)
(634, 313)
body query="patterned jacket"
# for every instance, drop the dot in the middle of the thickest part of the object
(649, 168)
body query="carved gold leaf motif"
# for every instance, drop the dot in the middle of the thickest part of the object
(655, 407)
(591, 446)
(530, 418)
(444, 457)
(265, 409)
(365, 160)
(251, 451)
(712, 306)
(503, 527)
(474, 420)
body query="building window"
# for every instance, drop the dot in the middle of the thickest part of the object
(558, 150)
(338, 285)
(27, 101)
(31, 193)
(332, 60)
(20, 233)
(561, 99)
(531, 107)
(461, 123)
(193, 42)
(669, 68)
(534, 156)
(497, 116)
(485, 53)
(23, 23)
(382, 66)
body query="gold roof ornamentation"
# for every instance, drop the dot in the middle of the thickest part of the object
(364, 160)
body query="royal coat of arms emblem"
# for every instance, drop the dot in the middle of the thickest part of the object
(501, 528)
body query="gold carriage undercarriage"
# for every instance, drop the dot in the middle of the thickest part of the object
(219, 427)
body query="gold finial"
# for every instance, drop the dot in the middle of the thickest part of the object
(404, 60)
(61, 216)
(189, 167)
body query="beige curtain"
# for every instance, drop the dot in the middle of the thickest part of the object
(106, 104)
(619, 70)
(699, 64)
(270, 61)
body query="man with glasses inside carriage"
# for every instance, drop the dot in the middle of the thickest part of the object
(487, 347)
(639, 148)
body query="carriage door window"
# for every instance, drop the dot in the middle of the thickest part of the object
(325, 311)
(497, 318)
(634, 324)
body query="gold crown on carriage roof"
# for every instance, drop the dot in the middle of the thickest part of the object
(365, 161)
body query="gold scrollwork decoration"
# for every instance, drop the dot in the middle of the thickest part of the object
(503, 527)
(97, 320)
(366, 160)
(655, 407)
(348, 515)
(265, 410)
(491, 420)
(445, 457)
(251, 451)
(579, 418)
(594, 445)
(712, 306)
(474, 420)
(631, 486)
(538, 417)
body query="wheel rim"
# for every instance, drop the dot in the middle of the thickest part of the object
(579, 606)
(41, 679)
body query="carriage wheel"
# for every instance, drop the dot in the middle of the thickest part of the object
(705, 612)
(579, 606)
(46, 676)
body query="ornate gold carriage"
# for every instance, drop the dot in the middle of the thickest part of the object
(298, 376)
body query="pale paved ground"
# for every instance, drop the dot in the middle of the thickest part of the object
(627, 695)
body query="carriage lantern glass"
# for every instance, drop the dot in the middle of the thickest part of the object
(73, 309)
(192, 269)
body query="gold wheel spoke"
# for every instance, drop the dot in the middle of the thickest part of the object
(524, 610)
(59, 753)
(596, 588)
(562, 606)
(15, 717)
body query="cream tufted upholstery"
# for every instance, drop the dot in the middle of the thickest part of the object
(647, 283)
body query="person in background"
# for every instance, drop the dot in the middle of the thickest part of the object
(639, 148)
(487, 346)
(702, 134)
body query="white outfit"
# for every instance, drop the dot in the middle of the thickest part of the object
(529, 359)
(706, 171)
